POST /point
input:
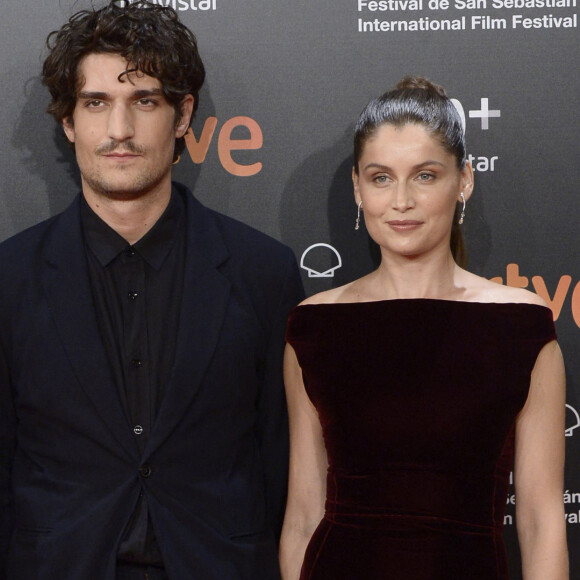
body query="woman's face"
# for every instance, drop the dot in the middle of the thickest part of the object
(409, 185)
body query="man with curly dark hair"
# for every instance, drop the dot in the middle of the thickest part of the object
(143, 429)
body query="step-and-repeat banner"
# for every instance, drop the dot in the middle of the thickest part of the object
(272, 141)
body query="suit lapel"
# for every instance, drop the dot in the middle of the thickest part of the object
(205, 298)
(67, 286)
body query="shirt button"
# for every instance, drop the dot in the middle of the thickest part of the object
(132, 295)
(137, 363)
(145, 470)
(137, 429)
(131, 251)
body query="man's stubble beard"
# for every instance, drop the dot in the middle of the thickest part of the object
(145, 181)
(139, 187)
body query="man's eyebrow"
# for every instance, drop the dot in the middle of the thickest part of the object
(138, 94)
(93, 95)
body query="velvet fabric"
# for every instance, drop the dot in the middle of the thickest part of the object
(417, 400)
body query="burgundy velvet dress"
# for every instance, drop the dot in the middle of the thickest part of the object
(417, 401)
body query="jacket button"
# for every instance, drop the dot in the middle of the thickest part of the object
(145, 470)
(137, 429)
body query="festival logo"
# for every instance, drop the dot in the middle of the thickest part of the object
(572, 420)
(320, 261)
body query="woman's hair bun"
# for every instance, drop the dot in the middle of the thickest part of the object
(421, 83)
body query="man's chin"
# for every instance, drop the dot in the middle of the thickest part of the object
(122, 191)
(122, 194)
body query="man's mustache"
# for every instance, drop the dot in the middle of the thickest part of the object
(125, 146)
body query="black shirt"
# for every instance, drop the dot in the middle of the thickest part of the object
(137, 293)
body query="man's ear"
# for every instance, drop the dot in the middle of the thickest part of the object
(186, 110)
(69, 128)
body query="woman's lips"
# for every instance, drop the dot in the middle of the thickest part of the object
(404, 225)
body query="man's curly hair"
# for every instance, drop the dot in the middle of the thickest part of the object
(148, 36)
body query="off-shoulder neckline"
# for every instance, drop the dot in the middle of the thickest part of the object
(422, 300)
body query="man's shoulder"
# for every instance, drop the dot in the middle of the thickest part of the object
(23, 248)
(251, 259)
(240, 238)
(264, 267)
(28, 240)
(245, 238)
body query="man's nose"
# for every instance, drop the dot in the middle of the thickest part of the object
(120, 125)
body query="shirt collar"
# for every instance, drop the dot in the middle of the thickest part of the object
(153, 247)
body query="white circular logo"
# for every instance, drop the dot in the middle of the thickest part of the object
(572, 419)
(317, 257)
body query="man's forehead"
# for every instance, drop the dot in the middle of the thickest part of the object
(112, 69)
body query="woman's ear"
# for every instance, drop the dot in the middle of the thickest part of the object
(467, 180)
(355, 186)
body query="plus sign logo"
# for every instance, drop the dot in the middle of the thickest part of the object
(485, 114)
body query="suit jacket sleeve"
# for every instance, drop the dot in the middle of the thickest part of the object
(7, 444)
(273, 428)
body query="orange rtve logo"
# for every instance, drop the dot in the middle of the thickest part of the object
(198, 148)
(556, 302)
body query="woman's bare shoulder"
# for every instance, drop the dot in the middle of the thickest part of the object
(334, 295)
(483, 290)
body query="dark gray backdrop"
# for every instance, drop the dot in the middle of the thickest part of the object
(302, 71)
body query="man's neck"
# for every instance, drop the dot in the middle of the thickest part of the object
(130, 218)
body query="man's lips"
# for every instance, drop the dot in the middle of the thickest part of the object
(121, 156)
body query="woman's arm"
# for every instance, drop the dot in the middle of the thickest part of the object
(539, 471)
(308, 465)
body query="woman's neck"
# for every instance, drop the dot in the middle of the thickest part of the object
(422, 277)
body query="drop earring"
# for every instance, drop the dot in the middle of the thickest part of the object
(462, 215)
(357, 222)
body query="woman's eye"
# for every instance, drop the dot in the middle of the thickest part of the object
(380, 179)
(426, 177)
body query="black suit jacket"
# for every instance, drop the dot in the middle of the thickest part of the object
(215, 466)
